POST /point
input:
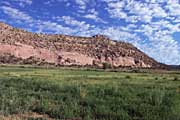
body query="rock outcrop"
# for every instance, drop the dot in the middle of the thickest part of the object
(67, 50)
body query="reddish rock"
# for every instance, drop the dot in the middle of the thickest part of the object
(69, 50)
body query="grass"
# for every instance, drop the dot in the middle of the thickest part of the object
(69, 94)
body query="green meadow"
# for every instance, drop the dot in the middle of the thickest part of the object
(75, 94)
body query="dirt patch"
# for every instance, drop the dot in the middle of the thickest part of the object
(26, 116)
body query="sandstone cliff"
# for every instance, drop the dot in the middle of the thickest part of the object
(19, 46)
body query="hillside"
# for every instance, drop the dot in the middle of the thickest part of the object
(21, 47)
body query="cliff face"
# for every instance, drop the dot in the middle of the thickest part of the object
(69, 50)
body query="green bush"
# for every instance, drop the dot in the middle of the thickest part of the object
(106, 65)
(128, 77)
(176, 78)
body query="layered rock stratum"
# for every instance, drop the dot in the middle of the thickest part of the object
(21, 47)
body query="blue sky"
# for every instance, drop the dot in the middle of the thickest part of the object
(151, 25)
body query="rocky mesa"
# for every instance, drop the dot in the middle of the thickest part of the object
(21, 47)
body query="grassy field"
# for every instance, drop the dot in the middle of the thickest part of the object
(64, 94)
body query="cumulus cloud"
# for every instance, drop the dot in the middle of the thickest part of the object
(23, 3)
(173, 7)
(40, 25)
(164, 48)
(94, 15)
(70, 21)
(16, 14)
(52, 26)
(82, 3)
(135, 10)
(116, 33)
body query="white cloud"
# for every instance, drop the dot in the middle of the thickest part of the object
(160, 44)
(164, 48)
(115, 9)
(82, 3)
(91, 16)
(177, 20)
(23, 3)
(52, 26)
(52, 2)
(116, 33)
(70, 21)
(16, 14)
(49, 2)
(158, 11)
(173, 7)
(119, 4)
(95, 18)
(141, 10)
(22, 17)
(135, 10)
(5, 3)
(132, 19)
(94, 15)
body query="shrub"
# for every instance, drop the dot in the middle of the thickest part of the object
(176, 78)
(106, 65)
(128, 77)
(136, 71)
(178, 90)
(164, 78)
